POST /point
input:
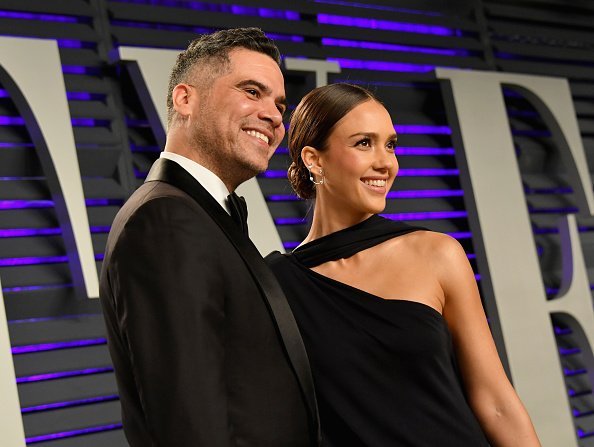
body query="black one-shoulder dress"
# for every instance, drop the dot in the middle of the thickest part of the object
(384, 370)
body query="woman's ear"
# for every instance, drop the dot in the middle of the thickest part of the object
(311, 157)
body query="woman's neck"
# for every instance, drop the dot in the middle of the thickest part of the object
(328, 219)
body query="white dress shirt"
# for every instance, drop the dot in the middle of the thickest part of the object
(208, 179)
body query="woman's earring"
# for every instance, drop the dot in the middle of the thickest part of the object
(311, 177)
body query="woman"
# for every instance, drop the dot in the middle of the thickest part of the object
(390, 314)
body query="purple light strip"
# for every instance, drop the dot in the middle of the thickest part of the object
(412, 172)
(584, 434)
(399, 67)
(425, 151)
(460, 234)
(25, 232)
(43, 347)
(558, 190)
(409, 194)
(11, 262)
(69, 404)
(36, 177)
(282, 198)
(160, 26)
(579, 414)
(569, 351)
(27, 204)
(63, 374)
(562, 331)
(81, 122)
(31, 232)
(378, 7)
(78, 69)
(265, 12)
(23, 204)
(563, 210)
(69, 43)
(574, 372)
(416, 129)
(5, 144)
(31, 260)
(72, 433)
(329, 41)
(56, 318)
(35, 288)
(89, 122)
(387, 25)
(555, 290)
(425, 194)
(427, 215)
(234, 9)
(285, 37)
(290, 245)
(43, 17)
(84, 96)
(12, 121)
(555, 230)
(290, 220)
(427, 172)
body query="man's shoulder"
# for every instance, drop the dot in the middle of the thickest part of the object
(158, 203)
(157, 194)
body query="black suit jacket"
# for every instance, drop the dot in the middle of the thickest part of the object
(205, 351)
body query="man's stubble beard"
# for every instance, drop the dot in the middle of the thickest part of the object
(230, 168)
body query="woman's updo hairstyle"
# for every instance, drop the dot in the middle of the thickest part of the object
(312, 123)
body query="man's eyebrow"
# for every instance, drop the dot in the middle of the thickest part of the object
(281, 99)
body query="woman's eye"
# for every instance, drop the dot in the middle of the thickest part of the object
(365, 142)
(391, 146)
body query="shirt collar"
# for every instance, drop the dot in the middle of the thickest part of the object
(208, 179)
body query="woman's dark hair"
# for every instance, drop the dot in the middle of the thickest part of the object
(312, 123)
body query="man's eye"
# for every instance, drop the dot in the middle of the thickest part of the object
(253, 92)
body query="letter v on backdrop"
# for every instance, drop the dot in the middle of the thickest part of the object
(520, 315)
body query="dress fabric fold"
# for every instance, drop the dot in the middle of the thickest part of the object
(385, 372)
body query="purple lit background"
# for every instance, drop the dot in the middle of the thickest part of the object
(379, 63)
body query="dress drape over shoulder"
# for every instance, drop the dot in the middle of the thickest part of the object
(384, 370)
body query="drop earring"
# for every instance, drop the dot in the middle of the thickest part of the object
(311, 177)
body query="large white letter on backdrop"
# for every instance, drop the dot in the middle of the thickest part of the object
(31, 72)
(12, 432)
(510, 274)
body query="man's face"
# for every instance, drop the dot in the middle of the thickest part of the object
(238, 123)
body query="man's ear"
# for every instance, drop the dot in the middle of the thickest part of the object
(183, 97)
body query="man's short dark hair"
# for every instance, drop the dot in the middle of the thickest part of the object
(212, 51)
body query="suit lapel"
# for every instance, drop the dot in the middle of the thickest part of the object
(170, 172)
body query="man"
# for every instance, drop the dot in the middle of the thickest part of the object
(205, 349)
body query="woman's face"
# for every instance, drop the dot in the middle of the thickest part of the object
(359, 162)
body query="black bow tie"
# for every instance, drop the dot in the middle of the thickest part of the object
(239, 211)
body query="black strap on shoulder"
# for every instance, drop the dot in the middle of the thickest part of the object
(170, 172)
(348, 241)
